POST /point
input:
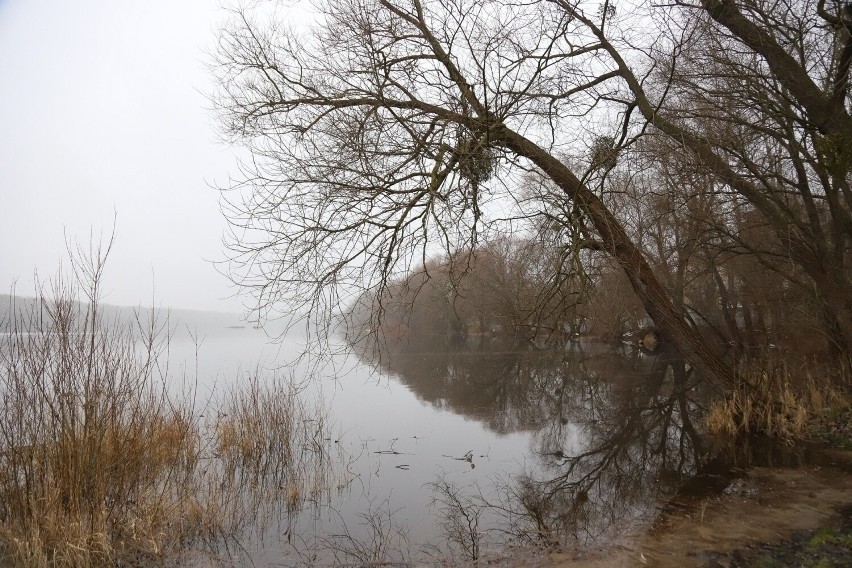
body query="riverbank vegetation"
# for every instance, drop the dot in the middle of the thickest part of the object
(105, 460)
(772, 334)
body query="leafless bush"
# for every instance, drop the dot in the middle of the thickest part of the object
(535, 515)
(459, 516)
(384, 541)
(97, 460)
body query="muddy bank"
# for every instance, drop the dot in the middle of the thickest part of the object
(764, 507)
(764, 516)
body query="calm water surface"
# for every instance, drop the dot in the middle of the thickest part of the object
(583, 444)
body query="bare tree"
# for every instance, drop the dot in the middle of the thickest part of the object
(757, 92)
(393, 129)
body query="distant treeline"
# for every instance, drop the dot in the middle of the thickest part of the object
(533, 289)
(16, 311)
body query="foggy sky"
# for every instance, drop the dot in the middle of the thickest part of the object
(103, 113)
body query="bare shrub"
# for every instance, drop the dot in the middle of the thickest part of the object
(378, 541)
(458, 517)
(96, 458)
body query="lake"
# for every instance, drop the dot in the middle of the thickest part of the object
(467, 453)
(235, 449)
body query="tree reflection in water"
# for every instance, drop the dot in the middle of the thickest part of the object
(616, 431)
(636, 439)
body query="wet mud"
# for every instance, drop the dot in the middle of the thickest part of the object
(765, 517)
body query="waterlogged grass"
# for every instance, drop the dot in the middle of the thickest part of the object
(102, 465)
(772, 403)
(274, 442)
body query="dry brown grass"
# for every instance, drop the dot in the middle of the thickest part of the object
(772, 403)
(97, 460)
(101, 465)
(270, 438)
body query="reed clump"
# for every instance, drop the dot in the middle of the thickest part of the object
(103, 464)
(97, 460)
(271, 439)
(770, 402)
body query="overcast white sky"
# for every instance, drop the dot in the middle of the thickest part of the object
(102, 111)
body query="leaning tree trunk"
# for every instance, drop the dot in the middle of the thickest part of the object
(617, 243)
(837, 309)
(825, 112)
